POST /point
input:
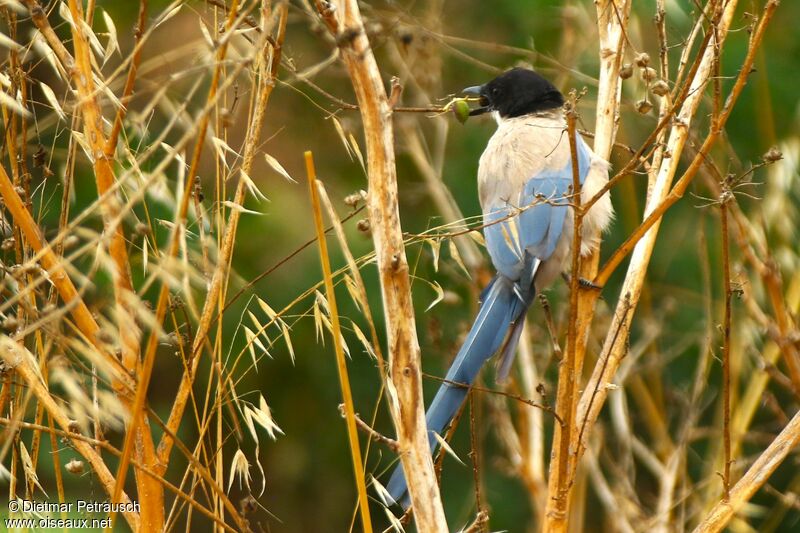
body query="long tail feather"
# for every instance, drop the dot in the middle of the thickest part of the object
(506, 357)
(500, 308)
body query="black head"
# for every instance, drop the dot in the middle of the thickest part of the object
(515, 93)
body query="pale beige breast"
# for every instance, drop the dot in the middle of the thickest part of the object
(524, 146)
(520, 149)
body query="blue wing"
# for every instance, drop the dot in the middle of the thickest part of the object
(513, 238)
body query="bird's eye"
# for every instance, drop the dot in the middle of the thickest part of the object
(495, 91)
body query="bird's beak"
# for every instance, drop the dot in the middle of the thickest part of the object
(484, 103)
(473, 91)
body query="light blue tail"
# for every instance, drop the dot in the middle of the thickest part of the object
(503, 305)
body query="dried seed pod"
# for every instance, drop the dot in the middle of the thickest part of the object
(642, 59)
(74, 467)
(772, 155)
(649, 74)
(363, 225)
(226, 117)
(40, 157)
(659, 88)
(461, 110)
(643, 106)
(626, 71)
(352, 199)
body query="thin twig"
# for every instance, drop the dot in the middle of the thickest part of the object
(509, 395)
(568, 377)
(726, 346)
(373, 434)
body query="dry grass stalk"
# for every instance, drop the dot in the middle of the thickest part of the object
(18, 358)
(361, 290)
(661, 198)
(161, 305)
(69, 294)
(405, 380)
(612, 19)
(83, 78)
(102, 153)
(616, 342)
(150, 491)
(726, 345)
(568, 373)
(532, 433)
(341, 363)
(222, 270)
(39, 17)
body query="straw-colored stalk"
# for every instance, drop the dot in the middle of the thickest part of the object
(568, 377)
(163, 295)
(336, 332)
(405, 379)
(661, 198)
(642, 240)
(219, 277)
(150, 491)
(23, 363)
(726, 345)
(612, 17)
(44, 254)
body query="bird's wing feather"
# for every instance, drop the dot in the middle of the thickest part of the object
(515, 234)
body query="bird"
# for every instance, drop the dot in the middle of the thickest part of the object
(524, 185)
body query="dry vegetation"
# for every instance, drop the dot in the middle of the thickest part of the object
(94, 297)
